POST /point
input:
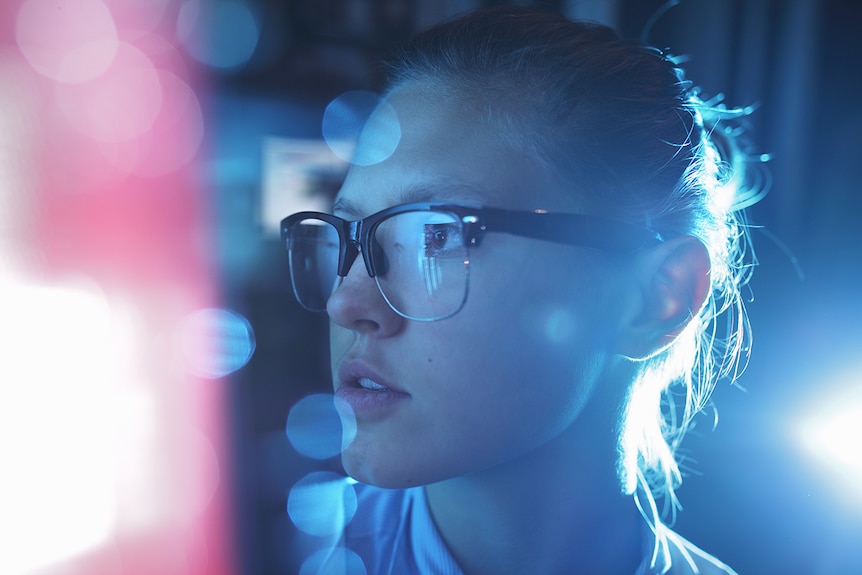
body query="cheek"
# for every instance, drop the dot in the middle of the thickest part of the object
(533, 350)
(555, 314)
(516, 381)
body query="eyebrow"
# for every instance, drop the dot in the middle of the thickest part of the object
(460, 193)
(345, 206)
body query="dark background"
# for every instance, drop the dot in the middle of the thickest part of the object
(756, 498)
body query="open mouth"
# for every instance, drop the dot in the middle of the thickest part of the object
(361, 392)
(371, 385)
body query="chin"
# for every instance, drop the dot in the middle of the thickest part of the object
(380, 474)
(363, 469)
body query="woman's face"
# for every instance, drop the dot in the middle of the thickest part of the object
(510, 371)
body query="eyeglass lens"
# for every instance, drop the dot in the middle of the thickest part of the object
(420, 259)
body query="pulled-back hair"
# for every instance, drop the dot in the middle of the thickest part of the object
(620, 122)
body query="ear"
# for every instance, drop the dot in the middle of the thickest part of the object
(672, 284)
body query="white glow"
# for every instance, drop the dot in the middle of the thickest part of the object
(79, 438)
(67, 40)
(57, 486)
(839, 438)
(831, 432)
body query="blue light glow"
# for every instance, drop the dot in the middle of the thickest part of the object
(315, 428)
(335, 561)
(361, 128)
(321, 503)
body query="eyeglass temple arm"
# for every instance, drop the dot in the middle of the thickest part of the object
(572, 229)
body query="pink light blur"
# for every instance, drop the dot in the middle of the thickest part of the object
(107, 161)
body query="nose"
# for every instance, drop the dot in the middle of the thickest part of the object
(358, 305)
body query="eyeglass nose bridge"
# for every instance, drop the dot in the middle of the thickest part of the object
(353, 245)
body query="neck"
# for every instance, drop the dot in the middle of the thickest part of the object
(556, 509)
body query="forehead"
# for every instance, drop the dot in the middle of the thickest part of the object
(454, 146)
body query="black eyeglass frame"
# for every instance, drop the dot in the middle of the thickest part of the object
(564, 228)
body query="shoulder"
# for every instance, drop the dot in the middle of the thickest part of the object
(689, 559)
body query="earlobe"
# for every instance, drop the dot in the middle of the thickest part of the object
(673, 282)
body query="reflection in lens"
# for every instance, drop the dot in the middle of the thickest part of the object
(360, 127)
(335, 561)
(313, 254)
(315, 428)
(321, 503)
(426, 276)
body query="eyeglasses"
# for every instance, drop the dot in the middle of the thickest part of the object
(419, 253)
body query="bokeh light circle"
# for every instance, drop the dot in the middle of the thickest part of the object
(559, 326)
(216, 342)
(316, 429)
(119, 105)
(140, 19)
(67, 40)
(360, 127)
(322, 503)
(222, 33)
(174, 139)
(333, 561)
(549, 323)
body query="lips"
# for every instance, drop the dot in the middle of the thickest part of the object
(364, 392)
(356, 373)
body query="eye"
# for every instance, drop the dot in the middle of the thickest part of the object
(435, 237)
(441, 239)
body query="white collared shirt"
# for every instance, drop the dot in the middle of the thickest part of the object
(392, 533)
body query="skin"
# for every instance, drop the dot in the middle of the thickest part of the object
(512, 408)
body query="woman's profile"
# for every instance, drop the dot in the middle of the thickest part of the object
(530, 299)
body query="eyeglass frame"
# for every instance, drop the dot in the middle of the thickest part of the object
(354, 237)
